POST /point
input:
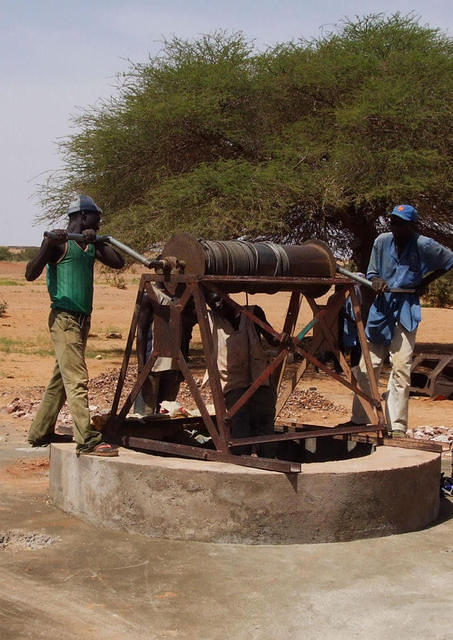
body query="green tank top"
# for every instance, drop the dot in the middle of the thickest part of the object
(70, 281)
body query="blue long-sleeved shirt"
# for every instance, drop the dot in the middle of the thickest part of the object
(420, 256)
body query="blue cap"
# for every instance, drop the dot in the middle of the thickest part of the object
(406, 212)
(83, 203)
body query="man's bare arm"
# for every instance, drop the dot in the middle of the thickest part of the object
(108, 255)
(51, 250)
(270, 339)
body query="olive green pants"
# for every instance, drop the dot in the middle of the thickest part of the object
(69, 382)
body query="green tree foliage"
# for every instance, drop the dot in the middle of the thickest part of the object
(308, 138)
(440, 293)
(18, 254)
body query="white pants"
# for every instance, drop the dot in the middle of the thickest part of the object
(397, 396)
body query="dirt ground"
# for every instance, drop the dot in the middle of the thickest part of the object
(27, 356)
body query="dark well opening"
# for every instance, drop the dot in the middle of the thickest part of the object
(192, 432)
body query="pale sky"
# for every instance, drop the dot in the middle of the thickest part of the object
(57, 56)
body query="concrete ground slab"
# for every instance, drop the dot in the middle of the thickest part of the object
(95, 583)
(392, 490)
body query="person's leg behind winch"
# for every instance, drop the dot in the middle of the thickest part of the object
(240, 422)
(262, 417)
(397, 395)
(378, 353)
(146, 402)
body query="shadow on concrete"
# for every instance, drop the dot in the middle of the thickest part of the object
(445, 512)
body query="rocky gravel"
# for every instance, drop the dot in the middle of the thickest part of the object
(441, 434)
(15, 540)
(102, 390)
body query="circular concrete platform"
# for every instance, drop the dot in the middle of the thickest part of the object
(392, 490)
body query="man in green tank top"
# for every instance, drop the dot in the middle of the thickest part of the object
(70, 284)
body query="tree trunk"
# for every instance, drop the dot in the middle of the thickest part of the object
(364, 230)
(364, 235)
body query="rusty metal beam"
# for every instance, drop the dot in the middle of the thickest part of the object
(128, 350)
(209, 424)
(144, 373)
(288, 328)
(366, 356)
(293, 281)
(288, 387)
(250, 315)
(403, 443)
(184, 299)
(329, 338)
(333, 374)
(219, 433)
(256, 384)
(213, 370)
(309, 433)
(189, 451)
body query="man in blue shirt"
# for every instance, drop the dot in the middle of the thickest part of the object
(401, 259)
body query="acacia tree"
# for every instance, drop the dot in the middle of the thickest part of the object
(308, 138)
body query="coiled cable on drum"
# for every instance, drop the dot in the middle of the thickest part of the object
(282, 266)
(239, 257)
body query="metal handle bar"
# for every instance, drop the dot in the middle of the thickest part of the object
(368, 283)
(138, 257)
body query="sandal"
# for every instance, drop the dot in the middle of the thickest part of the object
(101, 449)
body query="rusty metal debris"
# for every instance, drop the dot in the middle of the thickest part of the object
(432, 374)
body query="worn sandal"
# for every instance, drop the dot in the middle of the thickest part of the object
(102, 449)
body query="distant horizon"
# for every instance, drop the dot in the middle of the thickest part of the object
(20, 246)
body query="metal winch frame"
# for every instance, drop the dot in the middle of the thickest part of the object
(155, 437)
